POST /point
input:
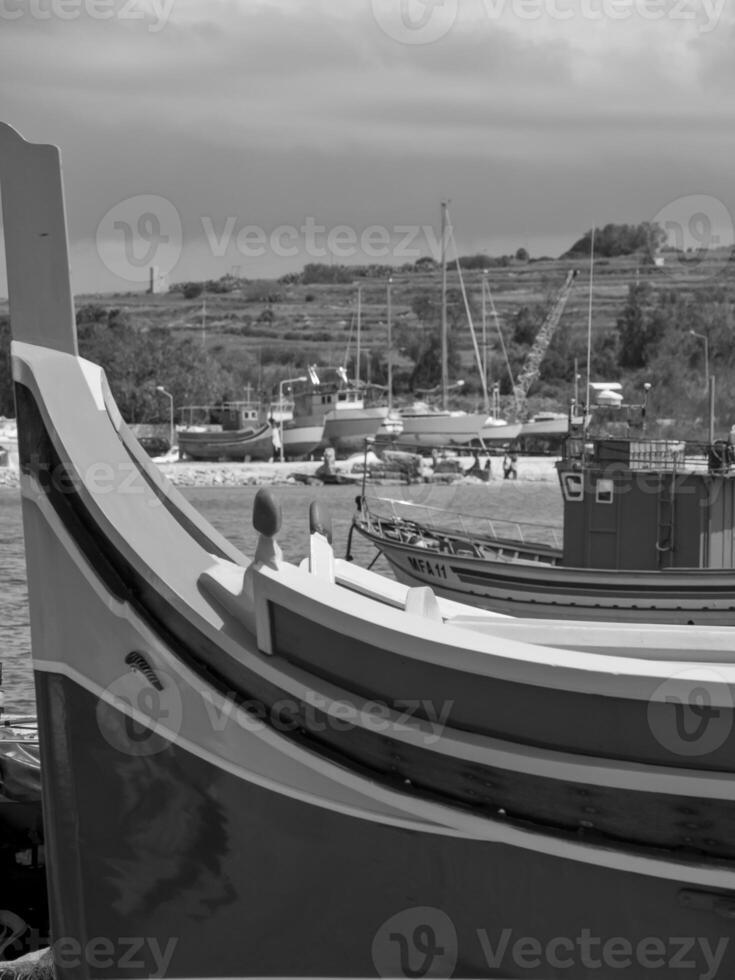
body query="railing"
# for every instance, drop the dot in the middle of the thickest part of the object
(652, 454)
(472, 526)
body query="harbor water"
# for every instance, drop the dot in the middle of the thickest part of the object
(229, 510)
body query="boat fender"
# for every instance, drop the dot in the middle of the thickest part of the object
(320, 520)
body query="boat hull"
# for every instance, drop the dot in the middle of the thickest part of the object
(545, 591)
(232, 784)
(238, 446)
(435, 430)
(302, 437)
(346, 430)
(224, 866)
(500, 433)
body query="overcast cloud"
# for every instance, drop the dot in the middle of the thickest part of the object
(537, 119)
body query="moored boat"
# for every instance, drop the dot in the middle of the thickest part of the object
(648, 536)
(231, 770)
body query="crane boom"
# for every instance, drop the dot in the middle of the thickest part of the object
(532, 365)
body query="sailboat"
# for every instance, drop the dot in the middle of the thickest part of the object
(428, 427)
(231, 771)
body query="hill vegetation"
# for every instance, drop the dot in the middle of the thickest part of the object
(205, 342)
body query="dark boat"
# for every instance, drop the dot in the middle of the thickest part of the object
(256, 769)
(231, 431)
(648, 536)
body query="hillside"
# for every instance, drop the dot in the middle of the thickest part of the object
(261, 332)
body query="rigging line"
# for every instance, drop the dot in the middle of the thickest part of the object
(494, 312)
(468, 311)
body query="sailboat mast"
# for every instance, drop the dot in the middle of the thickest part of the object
(359, 324)
(484, 339)
(390, 345)
(445, 365)
(589, 322)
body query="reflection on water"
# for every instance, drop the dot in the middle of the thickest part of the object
(229, 511)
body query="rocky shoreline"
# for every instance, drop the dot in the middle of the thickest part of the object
(191, 474)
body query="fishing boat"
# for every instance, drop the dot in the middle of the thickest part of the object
(230, 431)
(331, 410)
(648, 536)
(234, 782)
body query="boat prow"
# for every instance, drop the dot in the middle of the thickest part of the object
(270, 770)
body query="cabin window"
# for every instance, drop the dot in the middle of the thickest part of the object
(573, 486)
(341, 397)
(604, 491)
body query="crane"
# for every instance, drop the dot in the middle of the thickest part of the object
(532, 365)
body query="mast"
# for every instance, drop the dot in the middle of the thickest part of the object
(484, 338)
(589, 323)
(359, 322)
(390, 345)
(445, 365)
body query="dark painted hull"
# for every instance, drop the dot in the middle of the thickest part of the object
(238, 881)
(703, 597)
(237, 446)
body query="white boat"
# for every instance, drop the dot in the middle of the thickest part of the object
(430, 428)
(231, 768)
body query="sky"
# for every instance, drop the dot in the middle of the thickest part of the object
(203, 137)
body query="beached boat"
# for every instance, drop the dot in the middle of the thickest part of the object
(231, 431)
(330, 410)
(431, 428)
(648, 536)
(234, 782)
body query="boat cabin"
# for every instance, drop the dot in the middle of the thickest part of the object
(228, 417)
(647, 504)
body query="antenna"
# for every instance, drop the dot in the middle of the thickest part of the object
(589, 321)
